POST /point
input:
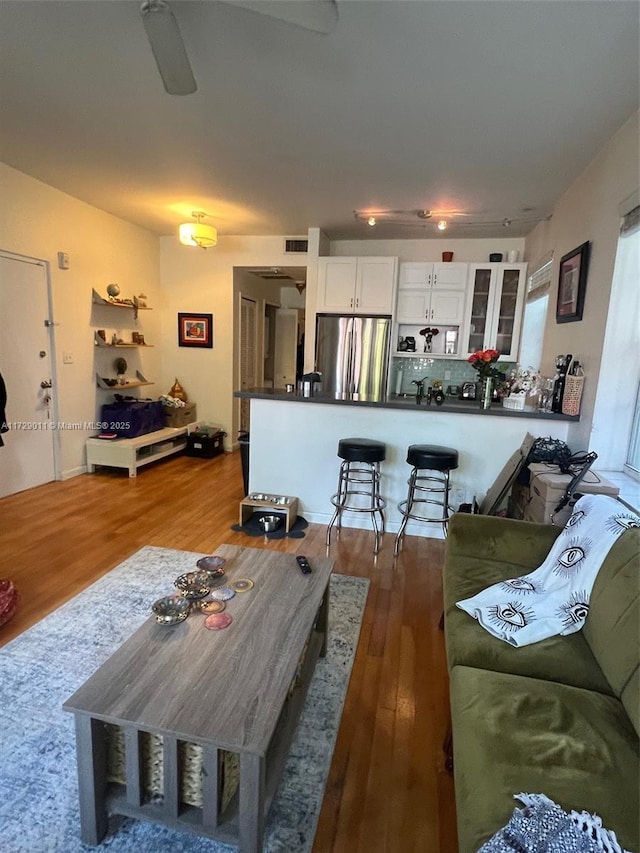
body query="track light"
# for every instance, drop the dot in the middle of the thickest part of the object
(371, 221)
(442, 225)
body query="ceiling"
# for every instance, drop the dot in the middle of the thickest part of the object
(490, 108)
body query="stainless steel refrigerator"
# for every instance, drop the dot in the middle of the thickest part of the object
(352, 355)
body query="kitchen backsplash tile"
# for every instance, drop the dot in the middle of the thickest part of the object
(419, 367)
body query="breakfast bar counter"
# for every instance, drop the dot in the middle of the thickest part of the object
(294, 440)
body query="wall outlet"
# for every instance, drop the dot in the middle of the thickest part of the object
(447, 375)
(67, 358)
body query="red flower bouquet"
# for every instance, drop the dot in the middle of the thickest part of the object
(483, 361)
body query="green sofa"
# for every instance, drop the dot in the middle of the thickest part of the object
(560, 717)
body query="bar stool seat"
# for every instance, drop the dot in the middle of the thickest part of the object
(359, 476)
(427, 488)
(361, 450)
(432, 456)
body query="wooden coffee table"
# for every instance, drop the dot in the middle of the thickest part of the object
(222, 690)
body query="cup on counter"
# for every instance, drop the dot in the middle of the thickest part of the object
(513, 256)
(289, 388)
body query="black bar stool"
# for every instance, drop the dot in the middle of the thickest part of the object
(359, 475)
(438, 460)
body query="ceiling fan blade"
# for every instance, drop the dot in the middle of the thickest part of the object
(168, 48)
(321, 16)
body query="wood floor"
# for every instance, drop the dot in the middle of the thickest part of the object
(388, 790)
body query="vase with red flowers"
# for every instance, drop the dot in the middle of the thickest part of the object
(429, 333)
(483, 361)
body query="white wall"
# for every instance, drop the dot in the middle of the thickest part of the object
(39, 221)
(203, 281)
(589, 210)
(464, 250)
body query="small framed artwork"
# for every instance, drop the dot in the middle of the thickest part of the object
(572, 284)
(195, 330)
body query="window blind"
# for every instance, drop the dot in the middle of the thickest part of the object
(539, 282)
(630, 220)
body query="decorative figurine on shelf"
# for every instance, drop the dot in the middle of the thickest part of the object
(142, 300)
(121, 368)
(178, 392)
(113, 290)
(428, 334)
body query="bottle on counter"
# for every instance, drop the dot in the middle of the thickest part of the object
(399, 376)
(562, 368)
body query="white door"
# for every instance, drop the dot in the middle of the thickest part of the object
(286, 347)
(27, 458)
(450, 276)
(336, 284)
(248, 351)
(447, 307)
(375, 285)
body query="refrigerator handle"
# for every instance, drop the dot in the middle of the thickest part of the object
(356, 355)
(349, 377)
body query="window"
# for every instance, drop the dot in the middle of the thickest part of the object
(535, 314)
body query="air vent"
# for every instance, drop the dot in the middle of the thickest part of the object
(296, 245)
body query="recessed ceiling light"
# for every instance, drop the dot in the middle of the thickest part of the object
(371, 221)
(442, 225)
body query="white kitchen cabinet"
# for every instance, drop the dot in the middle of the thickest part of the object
(436, 306)
(494, 311)
(418, 275)
(356, 285)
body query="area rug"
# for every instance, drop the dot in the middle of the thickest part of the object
(41, 668)
(252, 527)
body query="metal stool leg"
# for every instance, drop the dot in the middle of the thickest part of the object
(405, 509)
(365, 482)
(341, 497)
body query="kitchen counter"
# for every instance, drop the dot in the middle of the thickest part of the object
(394, 401)
(294, 442)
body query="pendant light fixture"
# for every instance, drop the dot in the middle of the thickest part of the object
(197, 233)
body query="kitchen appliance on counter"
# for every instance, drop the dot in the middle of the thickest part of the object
(468, 391)
(562, 368)
(352, 354)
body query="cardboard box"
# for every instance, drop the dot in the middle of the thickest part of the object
(548, 486)
(179, 416)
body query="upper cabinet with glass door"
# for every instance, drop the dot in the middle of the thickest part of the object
(494, 312)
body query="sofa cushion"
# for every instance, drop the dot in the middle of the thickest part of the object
(612, 628)
(476, 560)
(513, 734)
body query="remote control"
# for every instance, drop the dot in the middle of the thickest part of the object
(305, 568)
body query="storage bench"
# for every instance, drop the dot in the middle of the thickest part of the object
(132, 453)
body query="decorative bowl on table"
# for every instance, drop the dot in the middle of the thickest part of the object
(212, 566)
(171, 609)
(194, 585)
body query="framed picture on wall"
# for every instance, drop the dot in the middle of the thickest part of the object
(572, 284)
(195, 330)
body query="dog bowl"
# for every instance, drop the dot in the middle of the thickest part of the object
(171, 609)
(269, 523)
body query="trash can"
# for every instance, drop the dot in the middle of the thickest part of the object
(243, 441)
